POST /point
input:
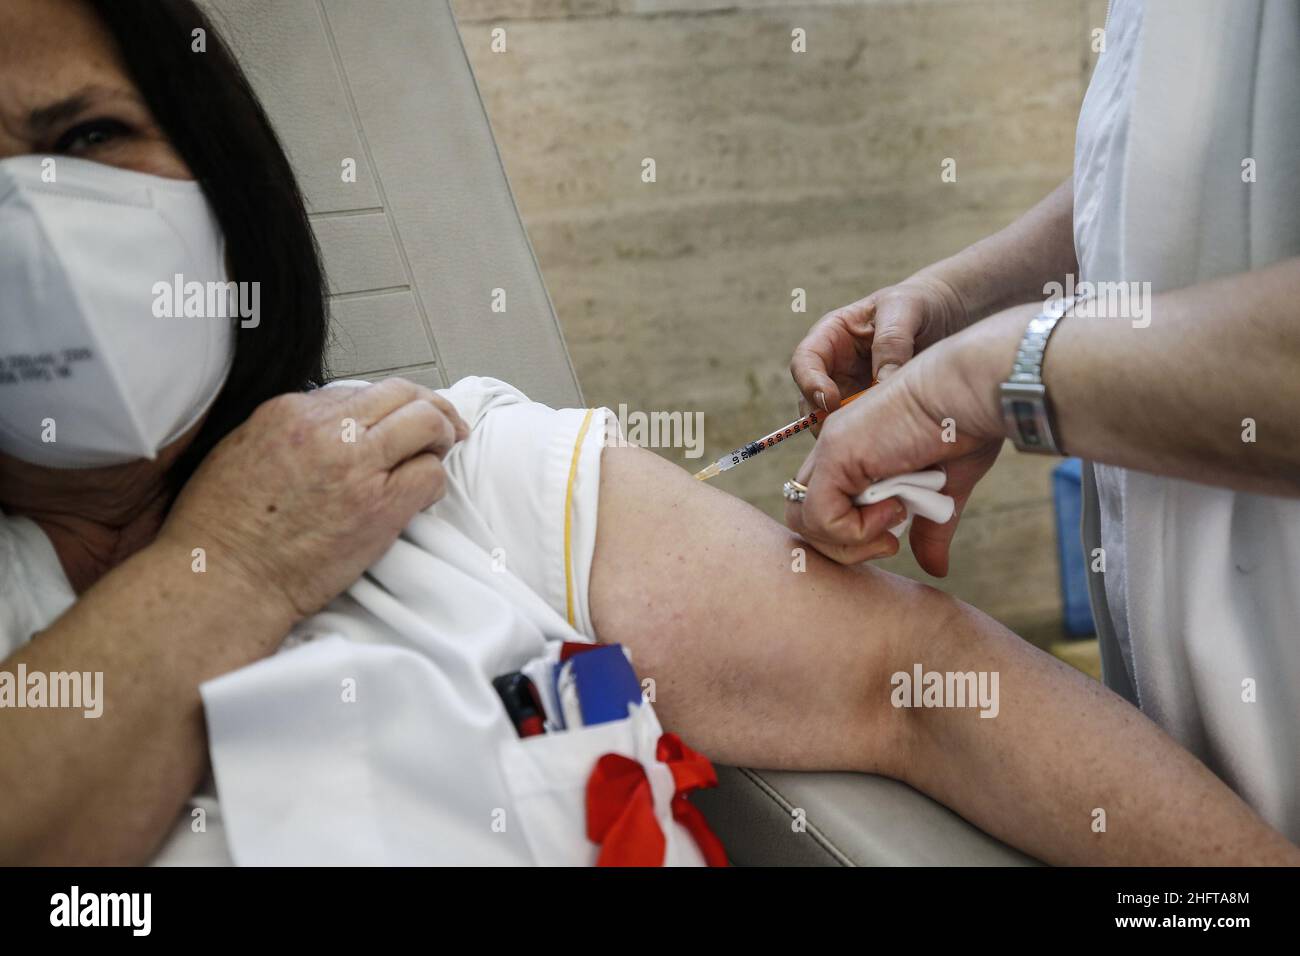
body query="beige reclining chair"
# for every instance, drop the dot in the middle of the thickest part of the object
(414, 248)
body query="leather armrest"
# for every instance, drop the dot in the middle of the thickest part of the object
(852, 820)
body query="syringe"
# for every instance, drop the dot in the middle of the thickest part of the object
(746, 452)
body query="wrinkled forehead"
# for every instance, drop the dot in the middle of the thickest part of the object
(55, 57)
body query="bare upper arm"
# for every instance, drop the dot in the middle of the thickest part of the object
(762, 651)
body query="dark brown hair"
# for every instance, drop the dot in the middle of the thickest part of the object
(205, 105)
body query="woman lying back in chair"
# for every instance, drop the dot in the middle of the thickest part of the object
(178, 497)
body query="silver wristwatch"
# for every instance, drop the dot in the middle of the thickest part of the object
(1026, 414)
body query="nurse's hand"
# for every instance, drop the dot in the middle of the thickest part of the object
(313, 488)
(873, 337)
(941, 408)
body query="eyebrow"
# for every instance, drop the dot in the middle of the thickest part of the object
(42, 120)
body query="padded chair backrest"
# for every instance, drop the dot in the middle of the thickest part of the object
(417, 244)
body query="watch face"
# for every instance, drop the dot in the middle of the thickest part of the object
(1026, 414)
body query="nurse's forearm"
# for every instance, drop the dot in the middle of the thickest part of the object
(1063, 768)
(1209, 391)
(107, 789)
(1012, 265)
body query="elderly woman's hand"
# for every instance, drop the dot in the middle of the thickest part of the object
(313, 488)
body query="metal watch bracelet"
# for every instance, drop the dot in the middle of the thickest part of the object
(1026, 410)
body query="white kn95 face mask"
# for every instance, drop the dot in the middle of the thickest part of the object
(96, 366)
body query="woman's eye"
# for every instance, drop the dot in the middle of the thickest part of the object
(88, 136)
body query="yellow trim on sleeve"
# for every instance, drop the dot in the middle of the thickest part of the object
(568, 516)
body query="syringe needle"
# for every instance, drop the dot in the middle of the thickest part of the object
(712, 471)
(746, 452)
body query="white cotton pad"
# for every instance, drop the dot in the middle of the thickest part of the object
(919, 492)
